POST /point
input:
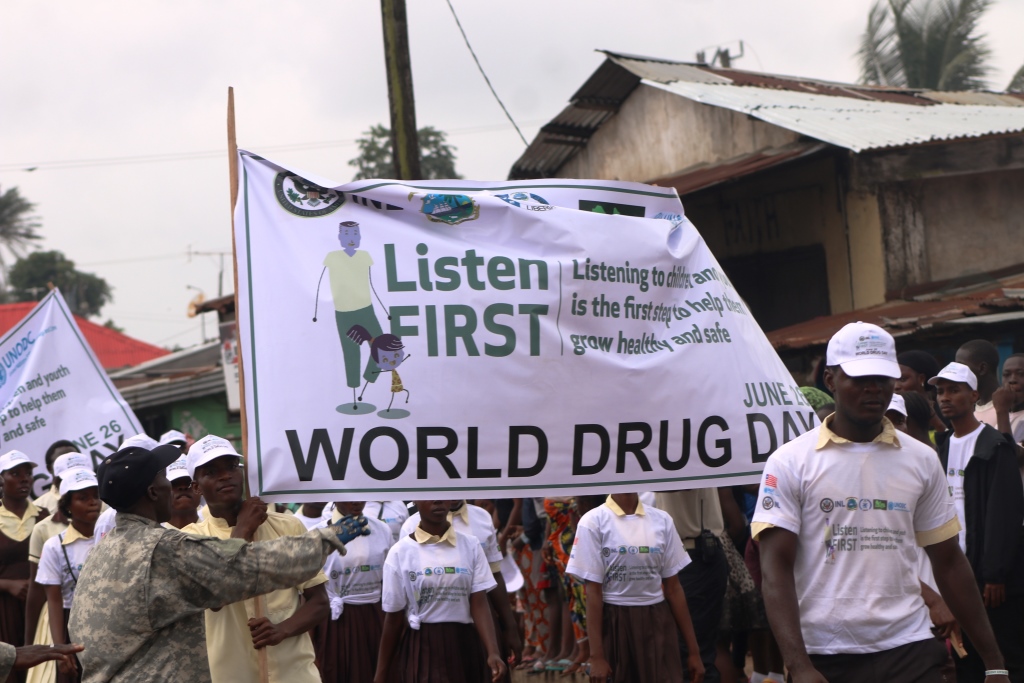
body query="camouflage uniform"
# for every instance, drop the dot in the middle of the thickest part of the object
(140, 599)
(7, 656)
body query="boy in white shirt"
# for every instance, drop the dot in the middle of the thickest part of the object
(838, 509)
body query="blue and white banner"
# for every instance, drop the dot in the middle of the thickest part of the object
(493, 339)
(52, 387)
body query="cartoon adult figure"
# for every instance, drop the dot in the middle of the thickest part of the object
(351, 286)
(388, 352)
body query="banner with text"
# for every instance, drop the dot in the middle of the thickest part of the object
(52, 387)
(493, 339)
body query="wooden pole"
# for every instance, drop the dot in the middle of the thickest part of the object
(260, 606)
(405, 145)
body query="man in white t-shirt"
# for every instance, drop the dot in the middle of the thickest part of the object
(838, 511)
(981, 468)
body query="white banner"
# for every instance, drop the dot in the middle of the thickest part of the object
(52, 387)
(493, 339)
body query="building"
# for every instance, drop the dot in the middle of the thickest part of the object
(818, 198)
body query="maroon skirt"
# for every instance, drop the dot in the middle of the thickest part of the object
(641, 644)
(446, 652)
(347, 647)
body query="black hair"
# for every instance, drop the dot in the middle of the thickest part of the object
(591, 502)
(982, 351)
(62, 443)
(64, 505)
(383, 342)
(920, 362)
(918, 409)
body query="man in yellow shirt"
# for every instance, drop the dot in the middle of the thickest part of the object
(349, 269)
(233, 634)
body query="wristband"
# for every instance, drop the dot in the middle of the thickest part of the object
(997, 672)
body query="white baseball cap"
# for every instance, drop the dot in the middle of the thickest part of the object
(206, 449)
(898, 404)
(65, 462)
(956, 372)
(11, 459)
(139, 441)
(76, 479)
(178, 469)
(863, 350)
(173, 436)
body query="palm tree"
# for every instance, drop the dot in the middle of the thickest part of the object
(931, 44)
(17, 227)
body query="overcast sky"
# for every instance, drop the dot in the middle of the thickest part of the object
(93, 83)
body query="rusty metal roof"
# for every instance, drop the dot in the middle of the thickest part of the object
(703, 176)
(855, 117)
(985, 301)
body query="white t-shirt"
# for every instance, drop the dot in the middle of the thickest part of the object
(104, 523)
(986, 413)
(53, 567)
(309, 522)
(480, 527)
(356, 578)
(857, 510)
(432, 582)
(961, 449)
(391, 512)
(629, 554)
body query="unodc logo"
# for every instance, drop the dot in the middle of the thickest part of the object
(3, 378)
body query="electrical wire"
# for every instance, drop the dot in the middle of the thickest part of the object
(215, 153)
(484, 74)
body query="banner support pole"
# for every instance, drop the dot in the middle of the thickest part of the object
(260, 601)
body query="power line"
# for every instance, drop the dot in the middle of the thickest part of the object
(215, 153)
(484, 74)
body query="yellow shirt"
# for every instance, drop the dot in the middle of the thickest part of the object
(232, 657)
(48, 500)
(350, 279)
(18, 528)
(41, 533)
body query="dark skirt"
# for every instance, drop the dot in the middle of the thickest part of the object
(77, 676)
(641, 644)
(347, 647)
(447, 652)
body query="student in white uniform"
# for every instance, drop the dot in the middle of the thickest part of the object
(105, 524)
(435, 581)
(629, 556)
(184, 497)
(347, 644)
(391, 512)
(312, 515)
(477, 522)
(838, 509)
(65, 554)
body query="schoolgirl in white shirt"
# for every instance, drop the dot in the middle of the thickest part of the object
(437, 624)
(64, 555)
(347, 644)
(629, 555)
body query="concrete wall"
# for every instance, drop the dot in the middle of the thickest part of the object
(973, 223)
(657, 133)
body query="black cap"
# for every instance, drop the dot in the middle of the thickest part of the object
(125, 476)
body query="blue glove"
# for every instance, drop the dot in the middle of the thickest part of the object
(350, 528)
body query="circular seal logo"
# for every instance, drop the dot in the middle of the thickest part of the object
(622, 550)
(605, 552)
(865, 504)
(439, 570)
(450, 209)
(412, 576)
(768, 503)
(428, 572)
(633, 550)
(348, 571)
(334, 574)
(827, 505)
(525, 200)
(299, 197)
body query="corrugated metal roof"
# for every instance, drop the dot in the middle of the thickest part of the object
(855, 117)
(703, 176)
(855, 124)
(986, 303)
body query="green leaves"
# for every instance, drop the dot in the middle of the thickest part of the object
(437, 157)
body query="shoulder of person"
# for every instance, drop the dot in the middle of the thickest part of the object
(992, 442)
(196, 528)
(480, 515)
(53, 543)
(469, 540)
(378, 526)
(285, 523)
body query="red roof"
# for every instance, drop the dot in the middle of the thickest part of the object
(115, 350)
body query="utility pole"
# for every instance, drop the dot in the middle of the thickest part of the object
(405, 146)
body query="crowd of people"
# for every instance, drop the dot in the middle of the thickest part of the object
(884, 544)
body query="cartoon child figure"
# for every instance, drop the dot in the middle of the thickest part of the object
(351, 285)
(388, 352)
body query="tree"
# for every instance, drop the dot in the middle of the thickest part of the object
(17, 227)
(931, 44)
(437, 157)
(31, 277)
(1017, 82)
